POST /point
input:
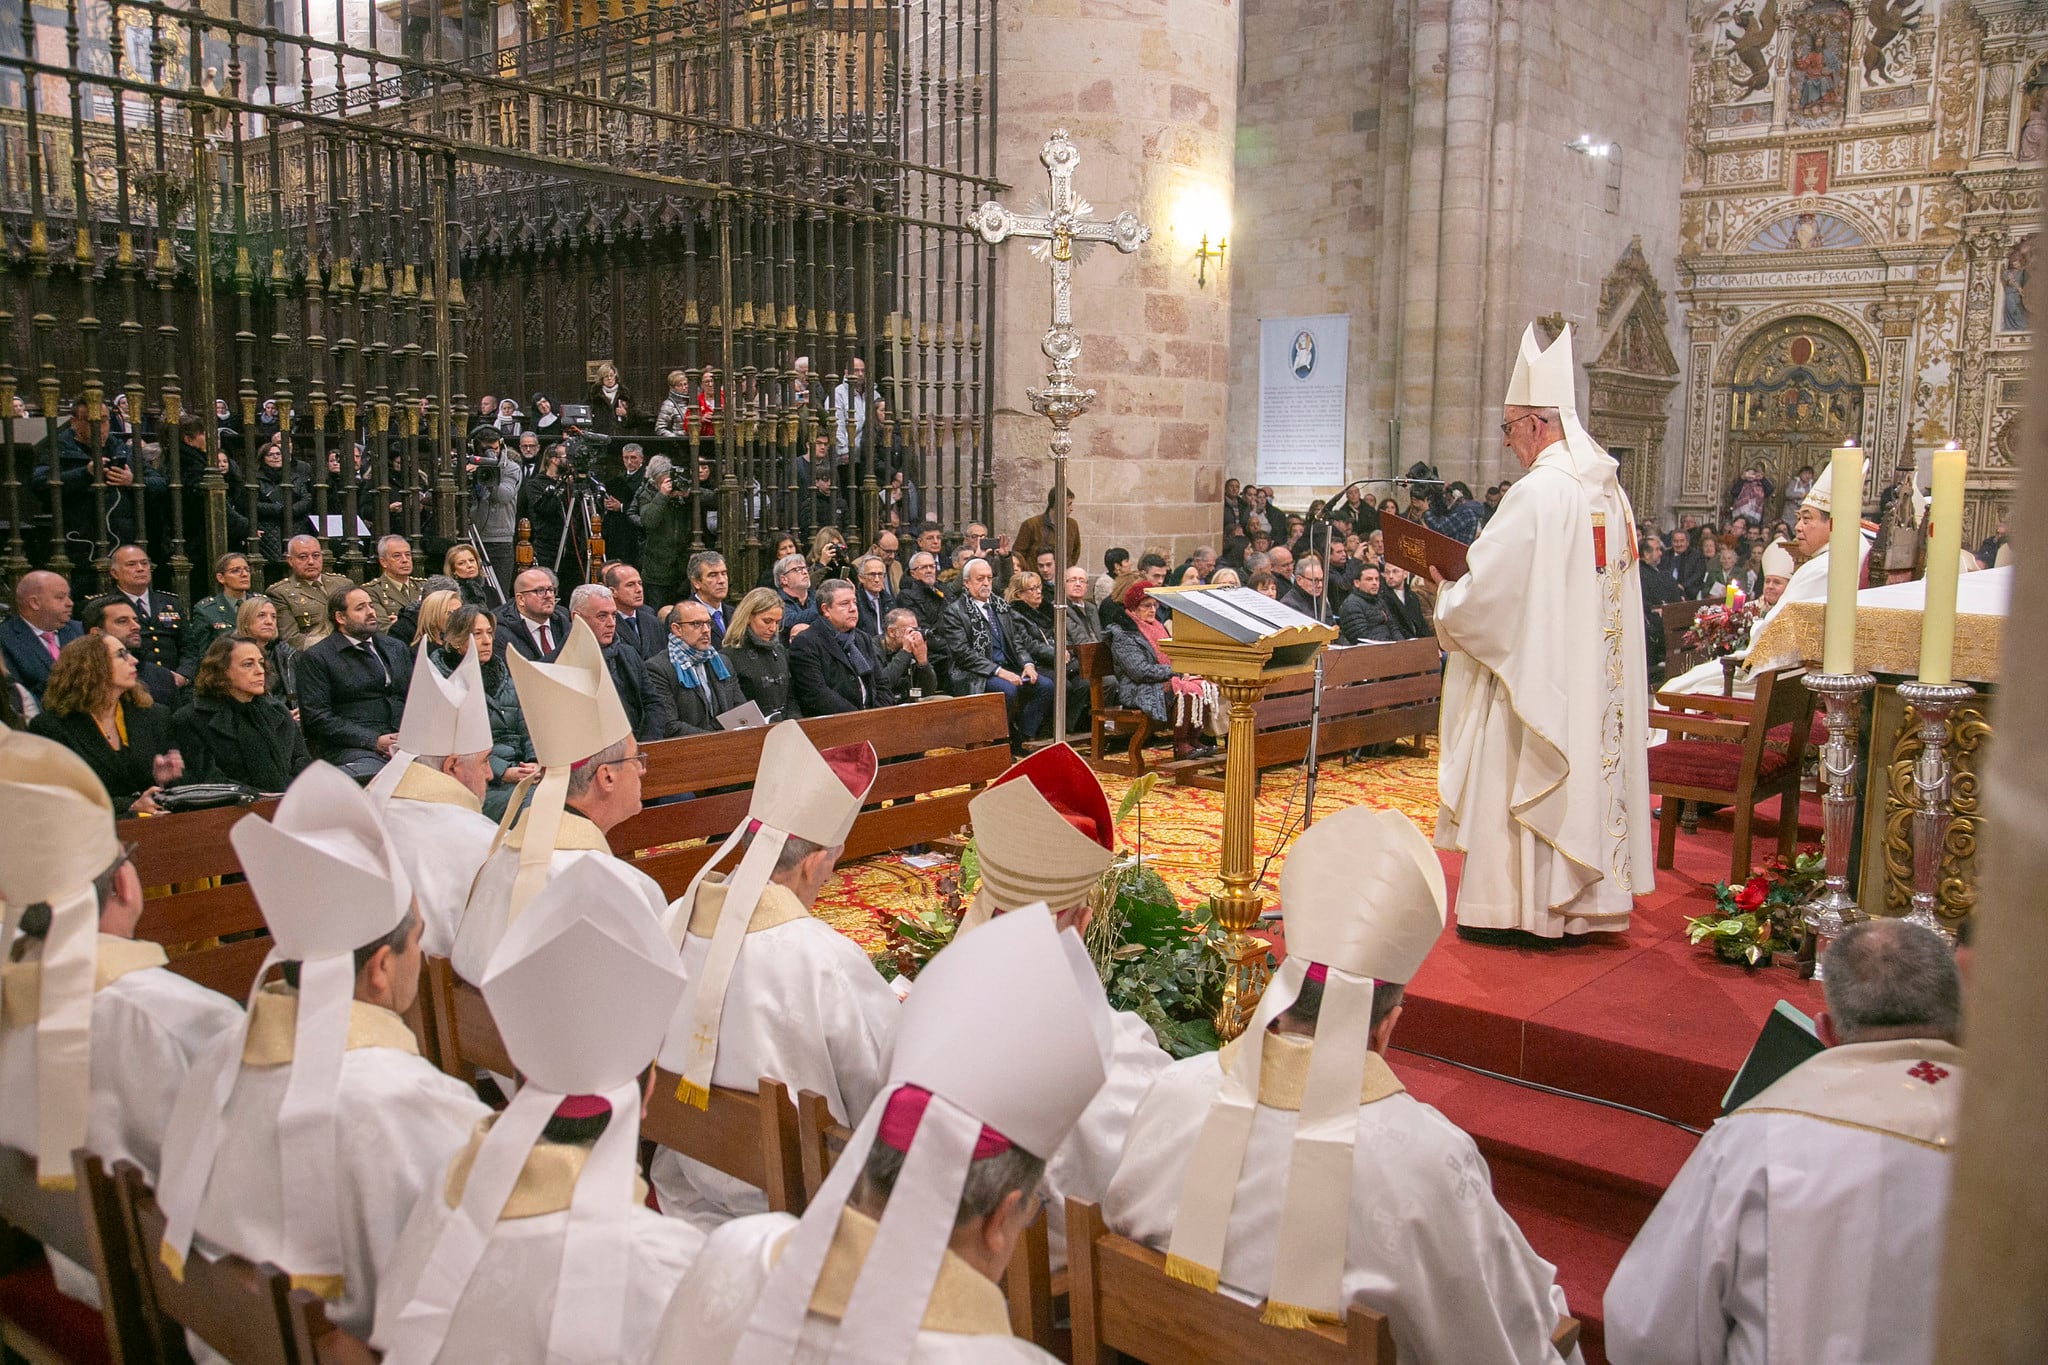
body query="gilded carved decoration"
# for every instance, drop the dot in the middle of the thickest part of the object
(1969, 733)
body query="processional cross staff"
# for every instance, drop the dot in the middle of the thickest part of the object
(1056, 234)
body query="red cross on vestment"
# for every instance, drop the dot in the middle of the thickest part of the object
(1929, 1072)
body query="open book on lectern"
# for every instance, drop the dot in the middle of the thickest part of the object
(1244, 616)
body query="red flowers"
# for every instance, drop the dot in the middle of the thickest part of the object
(1752, 895)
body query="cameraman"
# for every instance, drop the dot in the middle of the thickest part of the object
(545, 500)
(494, 498)
(663, 509)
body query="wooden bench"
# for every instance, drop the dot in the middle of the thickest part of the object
(38, 1323)
(1124, 1303)
(1127, 726)
(212, 928)
(934, 756)
(1372, 694)
(1034, 1293)
(247, 1312)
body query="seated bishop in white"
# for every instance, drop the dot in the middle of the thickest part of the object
(1044, 833)
(899, 1256)
(113, 1069)
(305, 1137)
(1292, 1168)
(1807, 1225)
(572, 1267)
(589, 783)
(773, 992)
(431, 793)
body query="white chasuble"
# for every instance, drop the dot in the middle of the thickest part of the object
(437, 828)
(1806, 1226)
(399, 1121)
(148, 1024)
(1084, 1163)
(966, 1320)
(803, 1006)
(489, 912)
(1542, 778)
(505, 1313)
(1428, 1245)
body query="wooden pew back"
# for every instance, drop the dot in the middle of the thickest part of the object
(934, 754)
(193, 924)
(1116, 734)
(56, 1218)
(247, 1312)
(1124, 1302)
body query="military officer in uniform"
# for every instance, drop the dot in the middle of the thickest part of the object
(301, 598)
(161, 614)
(395, 589)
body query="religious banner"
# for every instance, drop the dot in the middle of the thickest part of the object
(1303, 367)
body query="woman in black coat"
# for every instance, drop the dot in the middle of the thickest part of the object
(94, 706)
(234, 730)
(759, 660)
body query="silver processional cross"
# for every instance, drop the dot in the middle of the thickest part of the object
(1055, 235)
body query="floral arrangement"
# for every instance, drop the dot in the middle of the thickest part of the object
(1720, 628)
(1761, 916)
(1156, 960)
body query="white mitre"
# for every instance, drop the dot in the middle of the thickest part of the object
(1364, 896)
(1778, 560)
(1043, 831)
(60, 837)
(572, 711)
(800, 793)
(443, 716)
(1821, 497)
(996, 1048)
(1547, 377)
(328, 882)
(581, 987)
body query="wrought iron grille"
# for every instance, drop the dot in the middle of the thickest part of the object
(330, 222)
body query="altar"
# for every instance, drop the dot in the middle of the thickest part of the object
(1888, 645)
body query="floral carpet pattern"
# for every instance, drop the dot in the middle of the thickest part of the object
(1178, 828)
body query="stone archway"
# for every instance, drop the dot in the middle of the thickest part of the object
(1798, 388)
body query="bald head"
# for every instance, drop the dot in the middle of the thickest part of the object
(1885, 978)
(43, 599)
(306, 558)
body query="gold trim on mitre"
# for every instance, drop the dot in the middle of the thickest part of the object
(1028, 852)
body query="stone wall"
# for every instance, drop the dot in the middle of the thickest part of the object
(1147, 89)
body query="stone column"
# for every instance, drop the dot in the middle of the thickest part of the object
(1148, 91)
(1461, 332)
(1420, 254)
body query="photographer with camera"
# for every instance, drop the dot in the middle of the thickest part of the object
(495, 481)
(663, 509)
(550, 501)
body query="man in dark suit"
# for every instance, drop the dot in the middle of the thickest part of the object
(352, 688)
(984, 653)
(640, 629)
(1405, 607)
(694, 680)
(647, 711)
(112, 614)
(832, 665)
(533, 623)
(41, 625)
(160, 615)
(872, 599)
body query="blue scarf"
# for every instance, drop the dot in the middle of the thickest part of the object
(690, 664)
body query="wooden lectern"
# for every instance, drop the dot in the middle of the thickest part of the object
(1241, 641)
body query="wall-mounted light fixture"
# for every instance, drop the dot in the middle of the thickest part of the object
(1584, 145)
(1201, 216)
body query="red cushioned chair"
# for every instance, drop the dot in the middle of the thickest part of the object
(1733, 752)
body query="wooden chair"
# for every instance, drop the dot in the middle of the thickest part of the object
(247, 1312)
(750, 1136)
(1124, 1303)
(1677, 619)
(114, 1261)
(1733, 752)
(458, 1034)
(1034, 1292)
(38, 1323)
(1126, 725)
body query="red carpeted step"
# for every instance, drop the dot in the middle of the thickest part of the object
(1578, 1178)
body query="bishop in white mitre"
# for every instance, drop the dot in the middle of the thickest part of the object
(1807, 1225)
(305, 1137)
(1044, 834)
(431, 793)
(773, 992)
(1293, 1169)
(96, 1033)
(572, 1267)
(589, 783)
(1543, 782)
(898, 1257)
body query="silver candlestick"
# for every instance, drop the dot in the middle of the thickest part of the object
(1833, 907)
(1933, 704)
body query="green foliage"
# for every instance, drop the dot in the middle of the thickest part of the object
(1763, 915)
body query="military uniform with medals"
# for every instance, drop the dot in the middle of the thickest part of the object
(162, 615)
(392, 596)
(302, 617)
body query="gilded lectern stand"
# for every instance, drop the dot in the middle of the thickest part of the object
(1241, 641)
